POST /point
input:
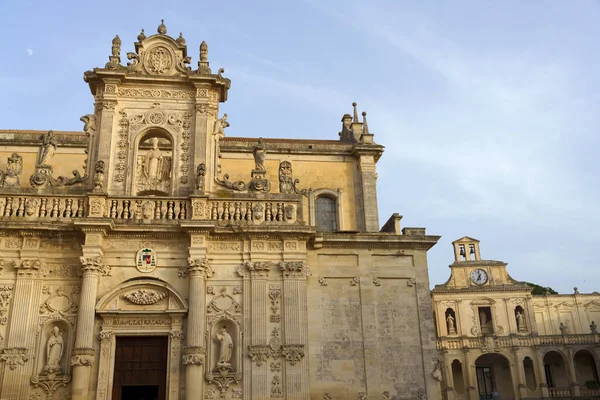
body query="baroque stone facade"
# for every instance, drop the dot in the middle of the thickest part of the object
(494, 334)
(240, 267)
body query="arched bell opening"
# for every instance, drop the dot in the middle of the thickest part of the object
(154, 163)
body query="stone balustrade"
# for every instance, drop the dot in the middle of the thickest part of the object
(449, 343)
(252, 211)
(559, 392)
(147, 209)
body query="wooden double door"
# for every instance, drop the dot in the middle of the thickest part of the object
(140, 368)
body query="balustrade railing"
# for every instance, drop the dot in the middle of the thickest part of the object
(520, 341)
(145, 209)
(559, 392)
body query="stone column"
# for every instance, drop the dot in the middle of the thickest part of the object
(83, 353)
(541, 371)
(258, 350)
(575, 389)
(21, 337)
(472, 391)
(197, 270)
(520, 383)
(447, 375)
(295, 328)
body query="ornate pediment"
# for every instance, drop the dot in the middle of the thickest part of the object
(159, 55)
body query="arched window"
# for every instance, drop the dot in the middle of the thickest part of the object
(326, 214)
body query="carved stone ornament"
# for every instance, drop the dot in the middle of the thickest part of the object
(489, 344)
(5, 297)
(194, 355)
(99, 176)
(42, 176)
(223, 378)
(12, 177)
(145, 260)
(14, 356)
(196, 266)
(50, 383)
(276, 392)
(31, 268)
(256, 269)
(224, 303)
(89, 124)
(82, 357)
(200, 181)
(259, 353)
(90, 265)
(293, 353)
(287, 184)
(145, 296)
(60, 302)
(158, 56)
(294, 269)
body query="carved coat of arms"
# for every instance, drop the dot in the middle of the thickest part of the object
(146, 260)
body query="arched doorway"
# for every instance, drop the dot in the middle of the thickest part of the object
(585, 368)
(493, 372)
(556, 372)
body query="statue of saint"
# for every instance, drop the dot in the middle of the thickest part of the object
(48, 148)
(450, 323)
(520, 321)
(482, 318)
(259, 156)
(226, 346)
(54, 351)
(220, 125)
(153, 167)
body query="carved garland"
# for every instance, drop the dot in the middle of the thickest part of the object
(122, 147)
(145, 297)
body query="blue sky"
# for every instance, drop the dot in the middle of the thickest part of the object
(488, 110)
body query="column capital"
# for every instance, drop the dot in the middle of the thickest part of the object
(196, 267)
(83, 357)
(194, 355)
(94, 265)
(256, 269)
(294, 269)
(14, 356)
(32, 268)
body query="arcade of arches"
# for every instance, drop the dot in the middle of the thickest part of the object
(494, 334)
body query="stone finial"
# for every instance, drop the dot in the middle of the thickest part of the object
(114, 61)
(180, 40)
(355, 113)
(141, 36)
(203, 52)
(162, 29)
(575, 290)
(203, 63)
(365, 126)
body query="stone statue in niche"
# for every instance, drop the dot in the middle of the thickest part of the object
(482, 318)
(220, 125)
(450, 324)
(153, 166)
(54, 352)
(520, 321)
(153, 169)
(48, 148)
(12, 176)
(259, 156)
(226, 347)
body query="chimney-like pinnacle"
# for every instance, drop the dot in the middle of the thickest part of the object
(365, 126)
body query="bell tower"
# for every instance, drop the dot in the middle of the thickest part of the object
(154, 117)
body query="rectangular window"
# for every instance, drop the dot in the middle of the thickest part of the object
(485, 382)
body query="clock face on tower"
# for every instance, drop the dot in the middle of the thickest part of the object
(479, 276)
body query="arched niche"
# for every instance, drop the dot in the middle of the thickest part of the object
(458, 379)
(218, 341)
(450, 317)
(55, 340)
(154, 163)
(528, 369)
(520, 319)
